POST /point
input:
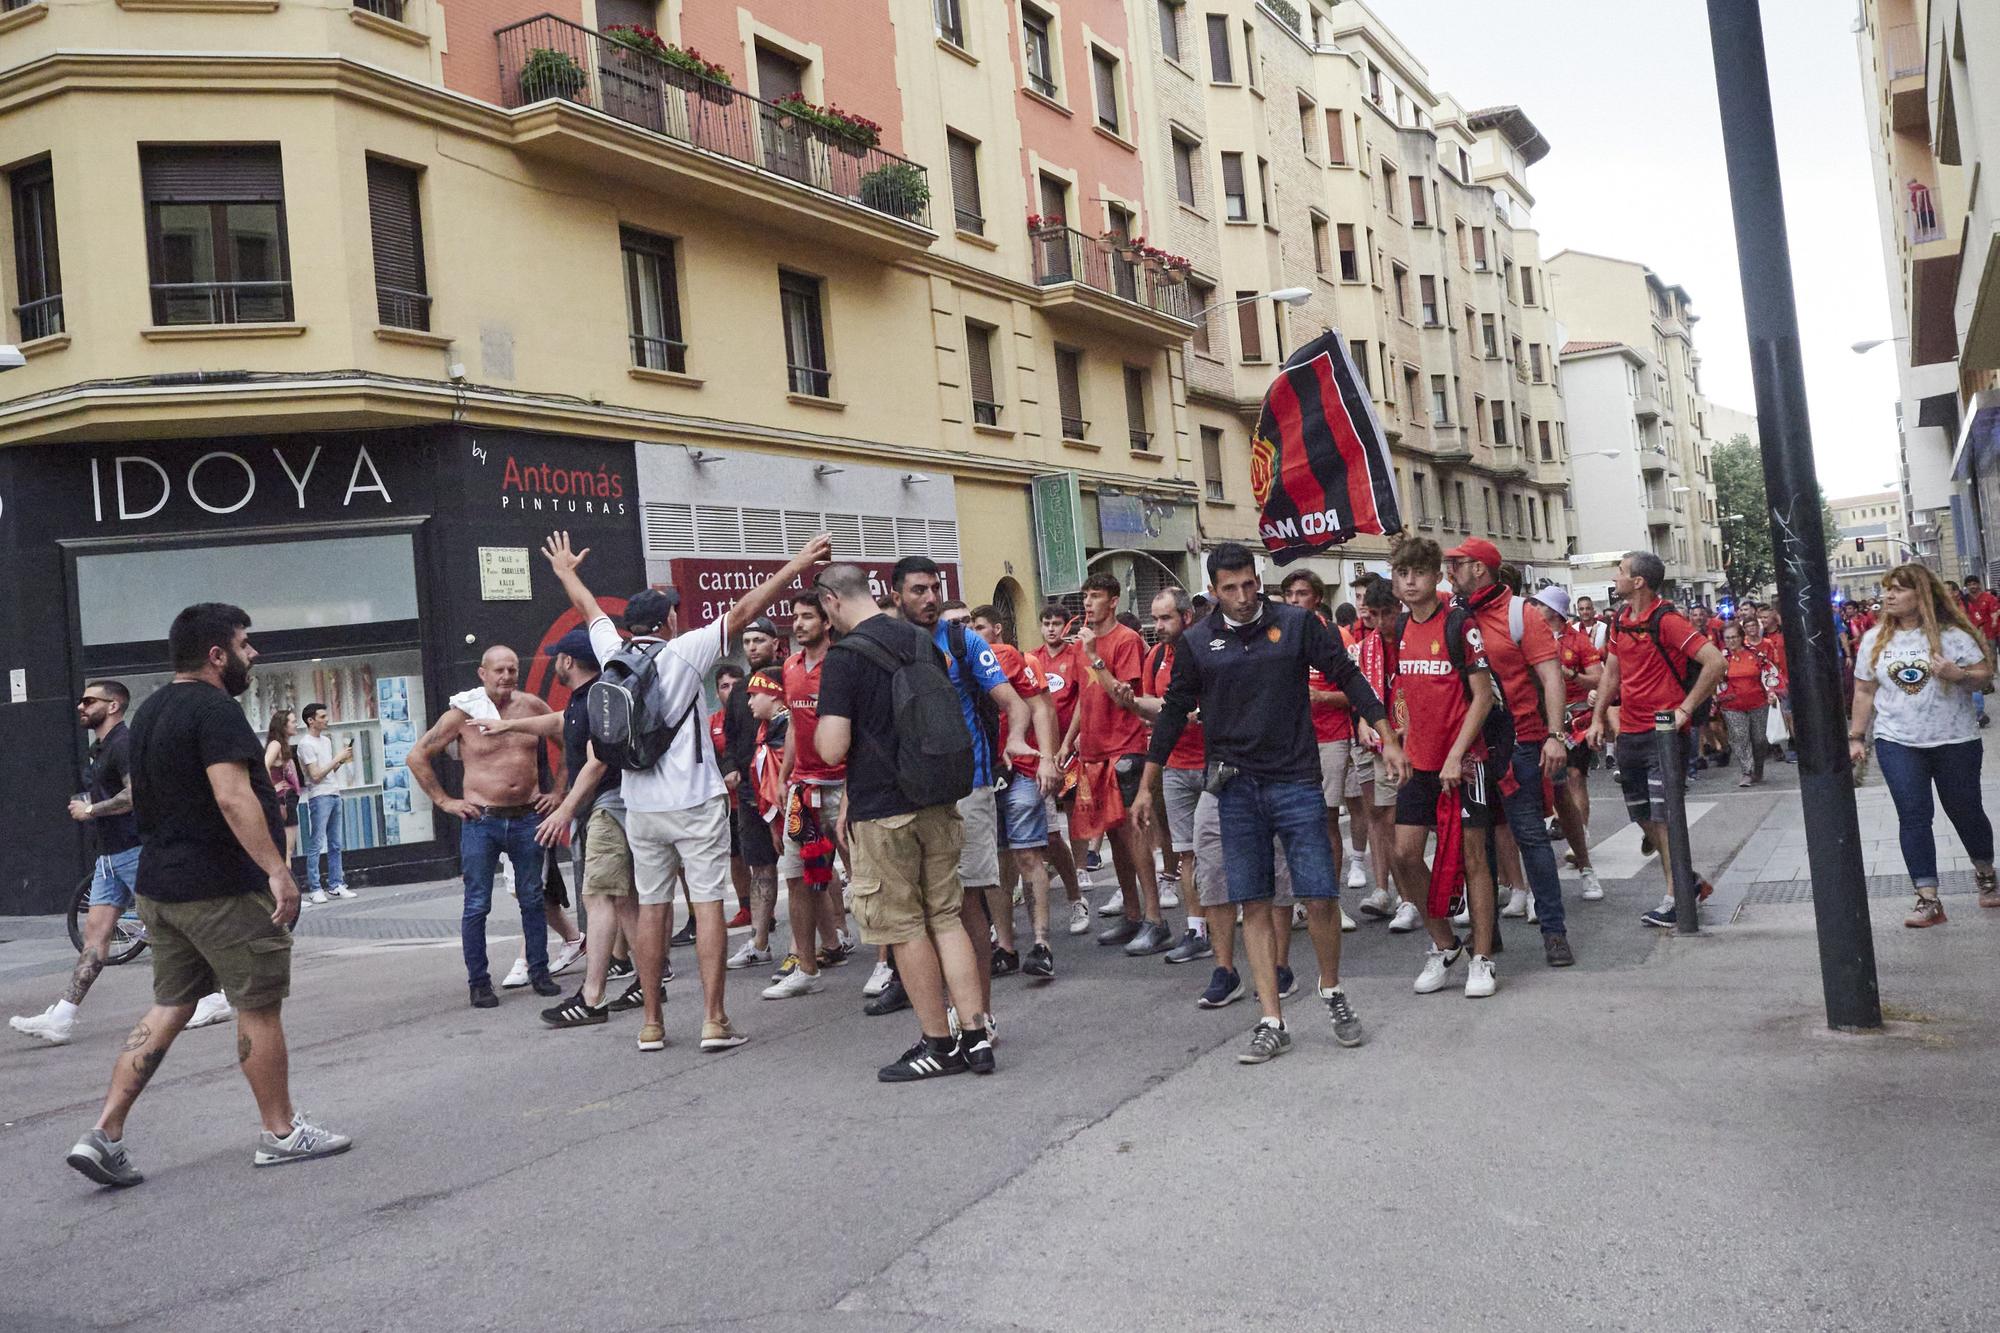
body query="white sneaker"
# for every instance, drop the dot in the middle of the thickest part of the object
(1114, 905)
(1463, 917)
(1436, 964)
(567, 956)
(748, 956)
(317, 897)
(1079, 917)
(45, 1026)
(1517, 903)
(342, 891)
(1357, 874)
(1593, 887)
(844, 939)
(796, 982)
(1347, 922)
(1405, 919)
(214, 1008)
(1299, 916)
(1533, 915)
(1479, 979)
(1170, 895)
(517, 975)
(878, 980)
(1378, 904)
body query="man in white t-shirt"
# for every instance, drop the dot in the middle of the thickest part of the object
(321, 760)
(677, 812)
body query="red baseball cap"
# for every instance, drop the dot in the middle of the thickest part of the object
(1476, 548)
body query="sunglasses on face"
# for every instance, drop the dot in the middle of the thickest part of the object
(86, 700)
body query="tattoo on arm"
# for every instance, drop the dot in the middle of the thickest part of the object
(138, 1037)
(121, 804)
(87, 967)
(242, 1048)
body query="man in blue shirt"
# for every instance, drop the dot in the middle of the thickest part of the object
(918, 585)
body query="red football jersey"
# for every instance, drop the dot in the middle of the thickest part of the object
(1432, 696)
(1026, 678)
(1188, 751)
(802, 699)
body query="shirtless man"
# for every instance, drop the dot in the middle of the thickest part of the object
(502, 807)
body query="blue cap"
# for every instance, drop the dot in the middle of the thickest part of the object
(577, 644)
(650, 607)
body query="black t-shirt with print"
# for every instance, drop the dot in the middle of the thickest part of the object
(853, 687)
(188, 850)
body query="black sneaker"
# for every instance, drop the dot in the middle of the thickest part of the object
(1041, 962)
(545, 985)
(977, 1046)
(931, 1057)
(1556, 949)
(574, 1013)
(1225, 987)
(685, 935)
(620, 969)
(633, 998)
(1092, 862)
(1006, 962)
(1193, 947)
(836, 957)
(1120, 932)
(892, 998)
(483, 996)
(1153, 937)
(1288, 983)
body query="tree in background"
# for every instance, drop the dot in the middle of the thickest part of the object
(1743, 513)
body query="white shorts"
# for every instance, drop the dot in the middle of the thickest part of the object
(791, 857)
(694, 841)
(979, 859)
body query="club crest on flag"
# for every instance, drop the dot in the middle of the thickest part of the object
(1319, 461)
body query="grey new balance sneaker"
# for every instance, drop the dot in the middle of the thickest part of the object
(306, 1140)
(103, 1161)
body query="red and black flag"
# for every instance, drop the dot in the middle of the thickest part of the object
(1319, 464)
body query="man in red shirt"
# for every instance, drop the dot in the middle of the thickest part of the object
(1442, 693)
(1582, 669)
(1652, 650)
(813, 793)
(1023, 815)
(1108, 738)
(1062, 665)
(1522, 654)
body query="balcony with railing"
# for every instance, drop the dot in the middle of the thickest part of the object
(1104, 282)
(707, 132)
(1921, 221)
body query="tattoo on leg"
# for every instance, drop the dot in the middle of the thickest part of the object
(242, 1047)
(143, 1066)
(88, 965)
(138, 1037)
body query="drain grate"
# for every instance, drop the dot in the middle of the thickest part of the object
(1879, 886)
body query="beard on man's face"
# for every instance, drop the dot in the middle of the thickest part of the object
(236, 674)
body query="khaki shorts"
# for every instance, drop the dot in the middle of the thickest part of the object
(694, 841)
(226, 944)
(791, 856)
(906, 883)
(1338, 779)
(979, 859)
(607, 856)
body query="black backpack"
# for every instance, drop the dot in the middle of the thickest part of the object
(1687, 673)
(1498, 732)
(625, 730)
(931, 748)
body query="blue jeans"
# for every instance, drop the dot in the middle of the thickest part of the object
(1253, 811)
(1528, 821)
(1911, 771)
(323, 834)
(480, 845)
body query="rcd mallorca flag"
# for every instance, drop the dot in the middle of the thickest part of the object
(1319, 465)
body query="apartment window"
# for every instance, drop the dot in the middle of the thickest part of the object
(1137, 388)
(1489, 337)
(1069, 393)
(1519, 515)
(1322, 259)
(1515, 345)
(1358, 352)
(1547, 444)
(1211, 462)
(1486, 502)
(1219, 68)
(1375, 85)
(1504, 529)
(1184, 187)
(1250, 54)
(1479, 249)
(1350, 261)
(1464, 514)
(396, 228)
(1170, 30)
(1427, 289)
(1307, 115)
(37, 261)
(979, 373)
(1374, 260)
(1548, 519)
(1420, 204)
(1236, 203)
(949, 25)
(1440, 400)
(1202, 296)
(1336, 139)
(1499, 423)
(1535, 521)
(1104, 74)
(1400, 279)
(1527, 428)
(1464, 168)
(1247, 330)
(1418, 489)
(1389, 177)
(805, 335)
(1535, 367)
(1479, 416)
(1527, 286)
(1278, 327)
(652, 301)
(215, 234)
(1265, 204)
(1388, 374)
(1039, 49)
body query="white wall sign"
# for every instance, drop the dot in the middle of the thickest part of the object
(503, 574)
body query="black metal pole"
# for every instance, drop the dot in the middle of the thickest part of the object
(1672, 760)
(1798, 539)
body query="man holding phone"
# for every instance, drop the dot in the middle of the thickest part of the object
(320, 761)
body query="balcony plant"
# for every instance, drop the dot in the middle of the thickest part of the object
(551, 73)
(1039, 222)
(899, 189)
(840, 129)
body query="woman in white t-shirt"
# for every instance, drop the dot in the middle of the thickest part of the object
(1917, 675)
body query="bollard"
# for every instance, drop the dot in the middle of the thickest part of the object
(1680, 859)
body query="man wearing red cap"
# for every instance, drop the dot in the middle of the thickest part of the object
(1522, 654)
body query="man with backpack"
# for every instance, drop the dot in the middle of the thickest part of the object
(1655, 662)
(889, 711)
(645, 718)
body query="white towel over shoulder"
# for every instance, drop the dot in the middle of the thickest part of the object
(476, 705)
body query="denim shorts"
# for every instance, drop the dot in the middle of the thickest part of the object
(112, 879)
(1024, 815)
(1263, 820)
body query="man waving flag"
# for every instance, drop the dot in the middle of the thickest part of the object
(1319, 464)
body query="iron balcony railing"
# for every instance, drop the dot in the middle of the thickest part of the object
(1064, 254)
(651, 353)
(402, 308)
(1142, 440)
(1075, 428)
(222, 302)
(40, 319)
(1921, 221)
(811, 381)
(548, 57)
(985, 413)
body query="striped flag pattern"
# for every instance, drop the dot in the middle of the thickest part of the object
(1319, 465)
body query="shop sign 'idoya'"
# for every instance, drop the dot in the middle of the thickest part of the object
(126, 488)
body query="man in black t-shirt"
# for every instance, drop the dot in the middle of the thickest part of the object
(216, 894)
(905, 890)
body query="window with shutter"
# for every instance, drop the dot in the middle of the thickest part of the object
(1170, 30)
(979, 373)
(1350, 259)
(1219, 69)
(966, 211)
(805, 337)
(1211, 462)
(1135, 408)
(1236, 201)
(652, 301)
(37, 262)
(1247, 327)
(1201, 296)
(1069, 393)
(1104, 70)
(1184, 171)
(394, 222)
(215, 233)
(1336, 141)
(1040, 52)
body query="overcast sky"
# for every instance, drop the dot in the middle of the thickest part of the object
(1625, 94)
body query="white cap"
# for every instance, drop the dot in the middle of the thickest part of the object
(1554, 598)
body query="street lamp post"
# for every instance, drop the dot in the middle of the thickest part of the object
(1284, 295)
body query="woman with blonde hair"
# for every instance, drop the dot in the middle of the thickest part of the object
(1916, 674)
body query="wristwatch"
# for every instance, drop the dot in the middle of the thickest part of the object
(1098, 663)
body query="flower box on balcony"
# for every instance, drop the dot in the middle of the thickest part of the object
(836, 128)
(551, 73)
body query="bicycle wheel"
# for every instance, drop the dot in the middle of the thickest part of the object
(128, 938)
(79, 908)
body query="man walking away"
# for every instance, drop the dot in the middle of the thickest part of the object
(217, 893)
(320, 759)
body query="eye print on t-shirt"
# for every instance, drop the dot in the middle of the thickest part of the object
(1910, 676)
